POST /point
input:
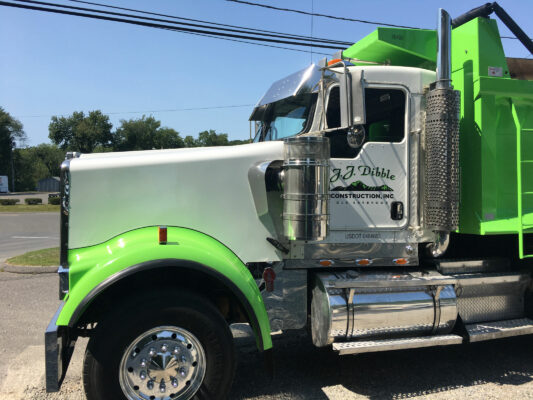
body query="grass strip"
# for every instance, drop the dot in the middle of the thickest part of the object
(43, 257)
(27, 208)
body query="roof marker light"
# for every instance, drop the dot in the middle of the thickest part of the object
(162, 235)
(334, 61)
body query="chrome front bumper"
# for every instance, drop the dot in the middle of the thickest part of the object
(59, 346)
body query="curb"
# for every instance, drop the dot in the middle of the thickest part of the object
(28, 269)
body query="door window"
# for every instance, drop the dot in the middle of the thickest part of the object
(385, 120)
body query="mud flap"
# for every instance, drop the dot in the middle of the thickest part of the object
(59, 346)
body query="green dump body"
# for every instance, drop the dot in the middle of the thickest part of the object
(496, 128)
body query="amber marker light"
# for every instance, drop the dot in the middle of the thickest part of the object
(363, 262)
(326, 263)
(334, 61)
(162, 235)
(401, 261)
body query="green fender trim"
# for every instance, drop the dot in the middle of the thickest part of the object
(91, 268)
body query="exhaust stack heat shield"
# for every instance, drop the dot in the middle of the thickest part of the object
(305, 187)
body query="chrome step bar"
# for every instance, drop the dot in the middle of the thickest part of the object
(499, 329)
(371, 346)
(476, 333)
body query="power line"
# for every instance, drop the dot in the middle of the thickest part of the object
(510, 37)
(146, 111)
(249, 3)
(198, 20)
(258, 44)
(204, 26)
(208, 22)
(246, 42)
(162, 26)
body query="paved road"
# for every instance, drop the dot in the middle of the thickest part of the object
(24, 232)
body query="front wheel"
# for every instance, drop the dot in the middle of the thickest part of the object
(171, 346)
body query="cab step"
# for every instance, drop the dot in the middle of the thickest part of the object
(499, 329)
(370, 346)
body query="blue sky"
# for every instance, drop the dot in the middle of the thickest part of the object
(54, 65)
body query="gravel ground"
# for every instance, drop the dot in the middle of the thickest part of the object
(490, 370)
(498, 370)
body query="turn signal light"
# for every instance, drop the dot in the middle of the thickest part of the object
(162, 235)
(401, 261)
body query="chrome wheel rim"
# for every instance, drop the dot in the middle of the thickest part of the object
(163, 363)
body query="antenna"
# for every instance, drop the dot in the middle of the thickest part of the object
(312, 16)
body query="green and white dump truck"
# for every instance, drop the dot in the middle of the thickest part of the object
(384, 204)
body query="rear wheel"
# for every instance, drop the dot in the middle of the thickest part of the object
(171, 346)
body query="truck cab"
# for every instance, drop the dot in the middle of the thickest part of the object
(372, 176)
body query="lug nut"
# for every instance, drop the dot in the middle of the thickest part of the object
(152, 352)
(143, 362)
(183, 359)
(176, 350)
(182, 371)
(162, 387)
(150, 384)
(174, 382)
(164, 348)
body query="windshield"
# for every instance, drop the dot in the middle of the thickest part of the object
(285, 118)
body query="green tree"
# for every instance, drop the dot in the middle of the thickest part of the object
(82, 133)
(211, 138)
(168, 138)
(145, 134)
(50, 156)
(189, 141)
(11, 134)
(235, 142)
(32, 164)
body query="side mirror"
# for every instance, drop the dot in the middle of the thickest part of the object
(356, 136)
(352, 98)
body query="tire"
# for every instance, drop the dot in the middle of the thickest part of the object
(179, 331)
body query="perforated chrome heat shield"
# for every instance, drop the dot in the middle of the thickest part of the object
(442, 177)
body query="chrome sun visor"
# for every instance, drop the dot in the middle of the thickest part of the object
(304, 81)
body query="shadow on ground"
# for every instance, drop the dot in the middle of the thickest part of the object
(302, 371)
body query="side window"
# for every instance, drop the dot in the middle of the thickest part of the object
(333, 112)
(385, 120)
(338, 145)
(385, 115)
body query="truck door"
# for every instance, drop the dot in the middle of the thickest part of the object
(369, 185)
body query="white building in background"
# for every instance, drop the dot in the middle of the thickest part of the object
(4, 187)
(50, 184)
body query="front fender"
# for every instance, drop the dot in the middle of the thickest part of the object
(96, 267)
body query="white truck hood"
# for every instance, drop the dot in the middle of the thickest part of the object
(205, 189)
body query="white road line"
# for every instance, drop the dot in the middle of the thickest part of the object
(34, 237)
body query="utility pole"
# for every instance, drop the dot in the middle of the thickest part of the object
(12, 170)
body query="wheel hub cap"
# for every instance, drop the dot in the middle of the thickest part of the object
(163, 363)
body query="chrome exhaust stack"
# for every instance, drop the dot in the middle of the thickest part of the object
(444, 60)
(441, 198)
